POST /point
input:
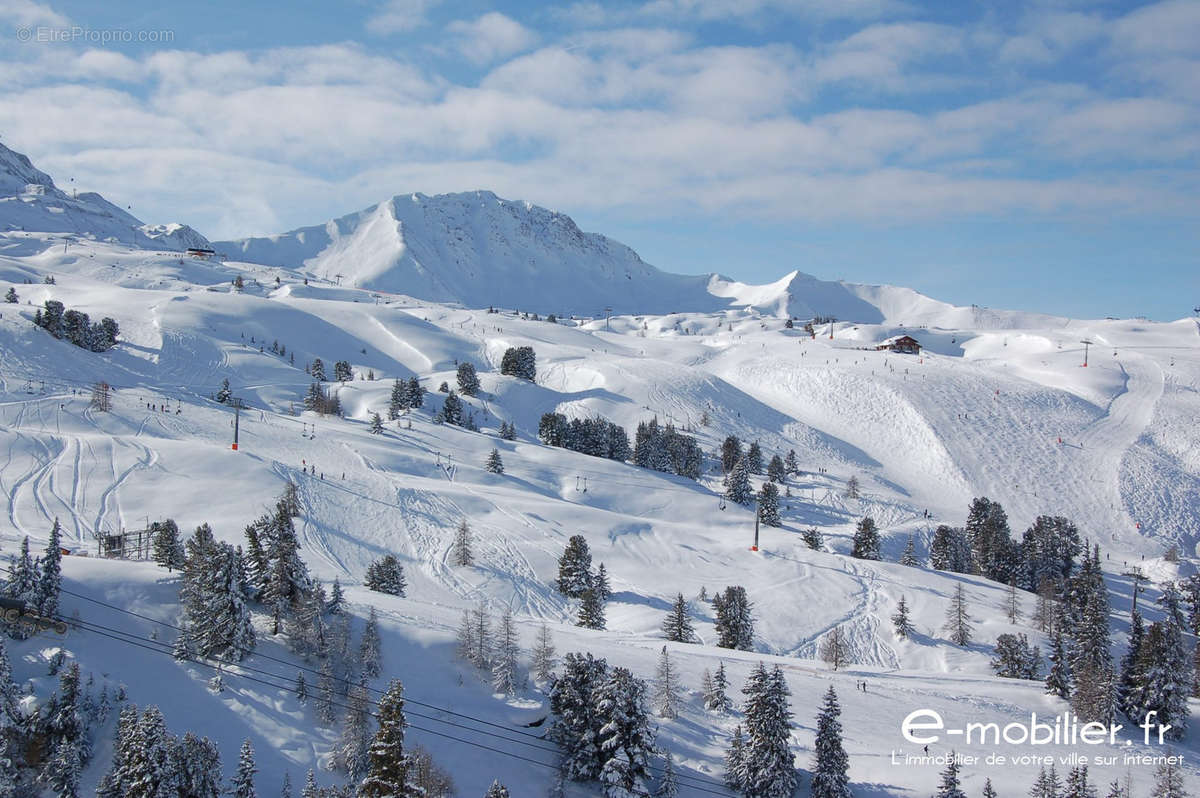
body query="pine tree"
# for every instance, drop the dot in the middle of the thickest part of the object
(197, 761)
(542, 655)
(168, 548)
(387, 772)
(677, 626)
(376, 424)
(369, 657)
(591, 610)
(737, 483)
(1077, 785)
(494, 464)
(852, 488)
(463, 556)
(900, 620)
(575, 568)
(715, 696)
(416, 393)
(735, 761)
(768, 505)
(398, 400)
(1168, 780)
(50, 580)
(468, 380)
(770, 771)
(497, 790)
(310, 789)
(666, 687)
(506, 652)
(318, 370)
(734, 621)
(286, 791)
(909, 557)
(1015, 658)
(11, 297)
(866, 540)
(576, 724)
(1047, 784)
(325, 711)
(988, 790)
(958, 620)
(776, 471)
(625, 737)
(386, 575)
(813, 539)
(835, 649)
(301, 688)
(668, 785)
(754, 458)
(1058, 679)
(949, 786)
(243, 780)
(731, 453)
(337, 599)
(352, 755)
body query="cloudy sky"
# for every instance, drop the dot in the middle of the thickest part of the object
(1040, 154)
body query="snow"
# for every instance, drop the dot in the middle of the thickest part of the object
(979, 412)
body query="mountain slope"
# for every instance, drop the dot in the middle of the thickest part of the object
(29, 201)
(478, 250)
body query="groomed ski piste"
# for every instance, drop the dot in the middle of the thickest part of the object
(981, 412)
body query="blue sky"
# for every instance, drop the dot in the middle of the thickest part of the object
(1038, 154)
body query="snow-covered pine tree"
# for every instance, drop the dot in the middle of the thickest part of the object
(716, 698)
(508, 431)
(1169, 781)
(575, 568)
(376, 424)
(301, 688)
(776, 471)
(352, 755)
(369, 656)
(243, 779)
(949, 786)
(625, 737)
(958, 619)
(11, 297)
(317, 370)
(497, 790)
(737, 483)
(909, 557)
(754, 458)
(168, 548)
(901, 623)
(813, 538)
(576, 724)
(337, 599)
(479, 623)
(505, 655)
(386, 575)
(310, 789)
(542, 657)
(1161, 680)
(835, 648)
(770, 771)
(1058, 678)
(666, 687)
(866, 540)
(50, 580)
(790, 462)
(768, 505)
(416, 393)
(495, 463)
(601, 584)
(731, 453)
(668, 784)
(463, 555)
(398, 400)
(830, 763)
(735, 761)
(1047, 784)
(677, 626)
(468, 380)
(1077, 785)
(1015, 658)
(988, 790)
(852, 488)
(197, 763)
(326, 713)
(591, 610)
(734, 621)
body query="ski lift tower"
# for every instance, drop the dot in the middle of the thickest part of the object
(237, 417)
(1086, 343)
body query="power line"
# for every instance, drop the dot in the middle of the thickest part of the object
(690, 781)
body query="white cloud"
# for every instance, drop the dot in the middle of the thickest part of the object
(400, 16)
(28, 13)
(490, 37)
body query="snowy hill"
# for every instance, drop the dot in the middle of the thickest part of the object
(29, 200)
(998, 404)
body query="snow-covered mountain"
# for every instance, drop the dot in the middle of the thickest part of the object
(30, 201)
(997, 404)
